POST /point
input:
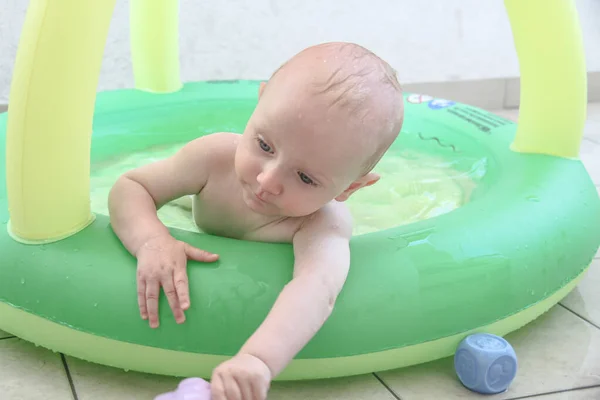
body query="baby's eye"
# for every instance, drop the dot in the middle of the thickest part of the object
(263, 145)
(305, 178)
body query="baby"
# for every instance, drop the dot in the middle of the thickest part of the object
(322, 122)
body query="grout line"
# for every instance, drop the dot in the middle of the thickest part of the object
(529, 396)
(589, 139)
(504, 93)
(69, 377)
(583, 318)
(386, 386)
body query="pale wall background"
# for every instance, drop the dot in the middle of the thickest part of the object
(425, 40)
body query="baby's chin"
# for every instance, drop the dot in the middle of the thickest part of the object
(296, 213)
(270, 210)
(261, 207)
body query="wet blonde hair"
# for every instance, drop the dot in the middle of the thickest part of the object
(363, 84)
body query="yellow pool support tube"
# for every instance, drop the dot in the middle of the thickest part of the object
(50, 120)
(553, 76)
(155, 45)
(52, 103)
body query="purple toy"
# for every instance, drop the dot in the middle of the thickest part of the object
(188, 389)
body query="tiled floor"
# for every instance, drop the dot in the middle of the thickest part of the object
(559, 354)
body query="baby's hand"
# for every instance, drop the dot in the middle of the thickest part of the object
(244, 377)
(162, 261)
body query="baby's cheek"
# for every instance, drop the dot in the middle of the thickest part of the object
(302, 205)
(244, 165)
(290, 206)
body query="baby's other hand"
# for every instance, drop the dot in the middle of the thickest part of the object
(244, 377)
(162, 261)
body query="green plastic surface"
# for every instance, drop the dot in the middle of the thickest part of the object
(531, 227)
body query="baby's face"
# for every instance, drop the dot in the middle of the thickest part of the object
(297, 153)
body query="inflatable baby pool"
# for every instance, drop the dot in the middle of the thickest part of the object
(519, 245)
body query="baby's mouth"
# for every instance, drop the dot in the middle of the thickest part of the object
(259, 198)
(252, 194)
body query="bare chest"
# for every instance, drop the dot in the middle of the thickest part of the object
(219, 209)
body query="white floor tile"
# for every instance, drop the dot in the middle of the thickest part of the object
(28, 372)
(558, 351)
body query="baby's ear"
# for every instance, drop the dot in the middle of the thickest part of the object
(366, 180)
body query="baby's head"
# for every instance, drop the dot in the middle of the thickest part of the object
(323, 121)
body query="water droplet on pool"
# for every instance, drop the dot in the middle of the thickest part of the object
(75, 250)
(534, 199)
(95, 304)
(67, 277)
(22, 281)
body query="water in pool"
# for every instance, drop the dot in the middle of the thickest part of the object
(413, 186)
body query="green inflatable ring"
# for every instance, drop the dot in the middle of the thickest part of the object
(519, 246)
(413, 291)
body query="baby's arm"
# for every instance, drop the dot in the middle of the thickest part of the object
(133, 204)
(322, 260)
(138, 194)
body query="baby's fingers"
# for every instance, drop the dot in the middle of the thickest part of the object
(200, 255)
(246, 387)
(232, 390)
(141, 292)
(171, 294)
(217, 389)
(224, 387)
(152, 292)
(182, 286)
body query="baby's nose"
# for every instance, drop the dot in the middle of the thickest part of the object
(269, 181)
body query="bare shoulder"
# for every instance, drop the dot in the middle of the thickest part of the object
(187, 171)
(322, 244)
(334, 219)
(200, 152)
(213, 148)
(208, 155)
